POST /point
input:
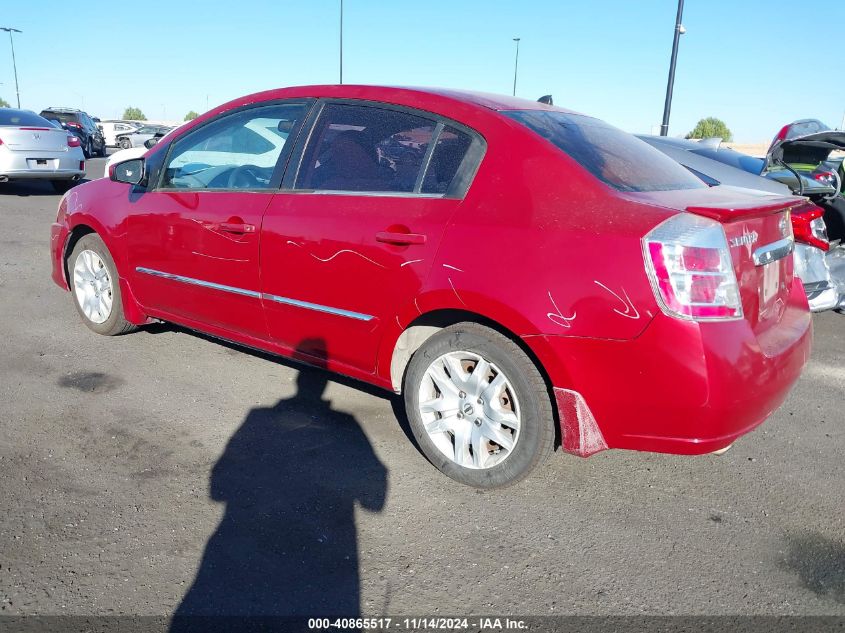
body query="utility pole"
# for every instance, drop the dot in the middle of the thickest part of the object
(341, 41)
(667, 107)
(14, 64)
(515, 64)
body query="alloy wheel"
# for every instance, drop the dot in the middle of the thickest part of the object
(92, 286)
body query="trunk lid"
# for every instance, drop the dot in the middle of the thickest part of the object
(34, 139)
(811, 149)
(759, 234)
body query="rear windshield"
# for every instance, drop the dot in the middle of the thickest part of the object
(803, 128)
(21, 117)
(615, 157)
(62, 117)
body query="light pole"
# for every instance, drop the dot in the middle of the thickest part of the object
(14, 64)
(667, 107)
(515, 64)
(341, 41)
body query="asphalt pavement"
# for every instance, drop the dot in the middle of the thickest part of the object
(164, 472)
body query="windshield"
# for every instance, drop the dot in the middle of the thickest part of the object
(615, 157)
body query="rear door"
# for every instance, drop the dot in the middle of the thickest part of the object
(350, 238)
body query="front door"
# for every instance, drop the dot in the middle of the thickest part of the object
(349, 243)
(194, 238)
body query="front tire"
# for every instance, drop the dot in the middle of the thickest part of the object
(478, 406)
(88, 152)
(95, 287)
(125, 144)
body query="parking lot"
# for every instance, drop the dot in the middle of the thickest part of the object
(136, 468)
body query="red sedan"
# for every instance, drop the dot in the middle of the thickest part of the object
(525, 276)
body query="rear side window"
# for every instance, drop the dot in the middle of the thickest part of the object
(615, 157)
(365, 148)
(21, 117)
(448, 154)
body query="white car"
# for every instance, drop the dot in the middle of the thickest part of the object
(135, 152)
(112, 128)
(33, 148)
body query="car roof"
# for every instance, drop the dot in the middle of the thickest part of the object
(419, 96)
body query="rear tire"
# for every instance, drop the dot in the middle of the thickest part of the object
(488, 429)
(125, 144)
(95, 287)
(62, 186)
(88, 150)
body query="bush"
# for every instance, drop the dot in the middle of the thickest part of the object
(134, 114)
(711, 127)
(191, 116)
(4, 103)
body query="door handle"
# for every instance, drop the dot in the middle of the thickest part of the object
(400, 239)
(236, 227)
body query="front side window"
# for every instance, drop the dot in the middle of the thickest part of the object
(365, 148)
(617, 158)
(237, 151)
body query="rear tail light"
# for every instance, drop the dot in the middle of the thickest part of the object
(809, 228)
(74, 124)
(82, 165)
(689, 265)
(825, 177)
(73, 141)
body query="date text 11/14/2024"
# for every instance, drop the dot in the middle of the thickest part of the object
(418, 623)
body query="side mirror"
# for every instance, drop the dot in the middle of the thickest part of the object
(150, 142)
(129, 171)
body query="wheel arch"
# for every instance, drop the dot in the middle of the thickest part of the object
(133, 311)
(429, 323)
(76, 233)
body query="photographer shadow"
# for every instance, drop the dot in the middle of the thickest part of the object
(290, 477)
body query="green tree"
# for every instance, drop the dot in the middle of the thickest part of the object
(711, 127)
(134, 114)
(191, 116)
(4, 103)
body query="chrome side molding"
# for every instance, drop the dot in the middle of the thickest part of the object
(316, 307)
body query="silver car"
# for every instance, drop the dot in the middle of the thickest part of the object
(32, 147)
(137, 138)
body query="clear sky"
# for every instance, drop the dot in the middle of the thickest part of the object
(756, 64)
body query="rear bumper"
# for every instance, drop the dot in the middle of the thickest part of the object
(61, 165)
(680, 387)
